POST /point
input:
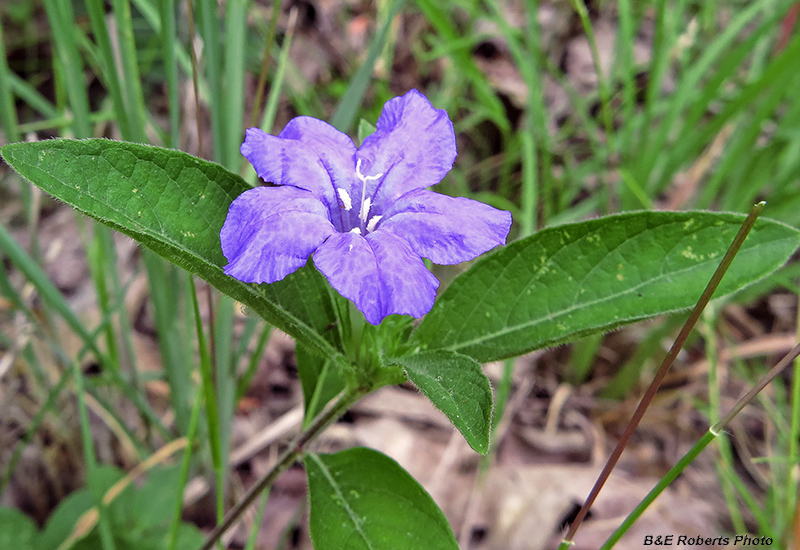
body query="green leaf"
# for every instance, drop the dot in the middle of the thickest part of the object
(174, 204)
(17, 530)
(62, 520)
(570, 281)
(152, 505)
(61, 523)
(457, 386)
(363, 500)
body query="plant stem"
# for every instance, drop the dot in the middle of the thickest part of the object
(711, 435)
(648, 396)
(289, 456)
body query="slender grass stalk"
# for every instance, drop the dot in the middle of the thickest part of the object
(33, 427)
(732, 486)
(530, 195)
(70, 66)
(468, 70)
(132, 82)
(208, 22)
(785, 61)
(8, 114)
(537, 181)
(744, 139)
(252, 363)
(169, 45)
(32, 97)
(162, 26)
(97, 268)
(265, 62)
(719, 62)
(102, 263)
(605, 103)
(224, 377)
(271, 109)
(724, 463)
(484, 466)
(212, 411)
(167, 285)
(102, 260)
(195, 78)
(232, 100)
(656, 72)
(127, 354)
(106, 538)
(537, 123)
(184, 472)
(112, 77)
(63, 122)
(626, 72)
(61, 357)
(713, 432)
(259, 517)
(503, 393)
(53, 299)
(295, 450)
(647, 398)
(602, 82)
(245, 339)
(582, 357)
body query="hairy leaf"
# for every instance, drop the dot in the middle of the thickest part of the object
(363, 500)
(456, 385)
(565, 282)
(174, 204)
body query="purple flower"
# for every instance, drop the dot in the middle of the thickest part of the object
(363, 212)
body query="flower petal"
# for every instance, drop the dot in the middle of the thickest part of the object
(446, 230)
(271, 231)
(407, 285)
(309, 154)
(347, 261)
(380, 274)
(413, 147)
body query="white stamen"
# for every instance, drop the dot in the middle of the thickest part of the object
(373, 221)
(361, 176)
(366, 202)
(365, 206)
(345, 198)
(356, 230)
